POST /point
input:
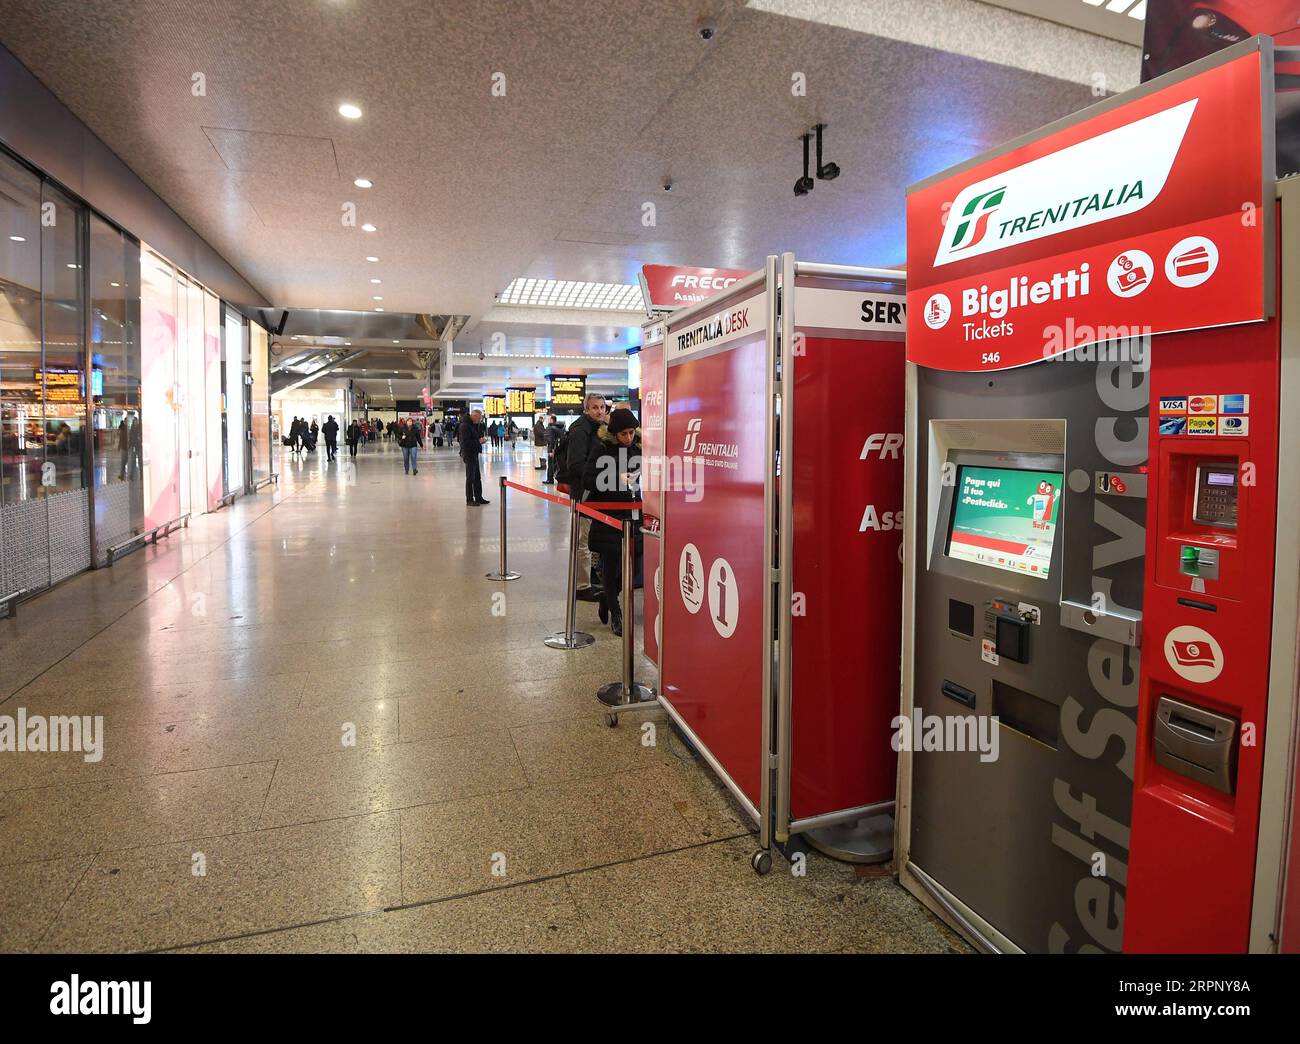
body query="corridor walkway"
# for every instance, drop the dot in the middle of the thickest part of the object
(326, 731)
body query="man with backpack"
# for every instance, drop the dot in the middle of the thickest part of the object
(577, 446)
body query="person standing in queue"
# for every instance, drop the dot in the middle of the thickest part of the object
(330, 429)
(554, 432)
(613, 474)
(410, 438)
(539, 445)
(472, 438)
(582, 436)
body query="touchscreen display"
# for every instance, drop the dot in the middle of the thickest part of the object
(1005, 518)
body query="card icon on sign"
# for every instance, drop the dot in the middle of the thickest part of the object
(1192, 262)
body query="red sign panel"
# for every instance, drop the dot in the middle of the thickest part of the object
(668, 287)
(652, 479)
(1144, 218)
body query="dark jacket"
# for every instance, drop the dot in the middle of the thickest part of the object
(353, 434)
(539, 433)
(554, 431)
(330, 429)
(582, 436)
(469, 435)
(603, 482)
(410, 436)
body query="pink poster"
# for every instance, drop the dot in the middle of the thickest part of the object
(160, 409)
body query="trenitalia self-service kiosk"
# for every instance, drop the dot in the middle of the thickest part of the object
(1099, 706)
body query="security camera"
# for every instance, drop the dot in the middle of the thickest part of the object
(668, 184)
(481, 356)
(707, 28)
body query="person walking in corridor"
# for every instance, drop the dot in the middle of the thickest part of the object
(411, 439)
(472, 438)
(353, 436)
(330, 429)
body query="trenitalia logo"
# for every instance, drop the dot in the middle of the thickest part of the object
(692, 433)
(974, 228)
(1112, 175)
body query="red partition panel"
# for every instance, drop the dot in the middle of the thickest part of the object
(1214, 401)
(713, 642)
(848, 572)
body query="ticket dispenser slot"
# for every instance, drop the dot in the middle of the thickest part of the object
(1196, 743)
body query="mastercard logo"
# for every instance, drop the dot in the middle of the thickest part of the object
(1203, 404)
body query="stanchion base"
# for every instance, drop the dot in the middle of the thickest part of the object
(503, 576)
(581, 639)
(611, 696)
(869, 840)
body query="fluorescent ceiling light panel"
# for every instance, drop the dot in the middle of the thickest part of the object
(566, 293)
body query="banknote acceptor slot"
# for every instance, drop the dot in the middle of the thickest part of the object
(1196, 743)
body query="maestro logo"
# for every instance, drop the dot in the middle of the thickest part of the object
(1114, 174)
(1193, 654)
(938, 310)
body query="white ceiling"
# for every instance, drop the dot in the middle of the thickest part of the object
(605, 100)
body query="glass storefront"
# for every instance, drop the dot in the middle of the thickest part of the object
(117, 416)
(44, 452)
(129, 393)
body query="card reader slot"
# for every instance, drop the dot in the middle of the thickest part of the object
(1192, 603)
(959, 693)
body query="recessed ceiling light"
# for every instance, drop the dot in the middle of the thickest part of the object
(114, 284)
(377, 297)
(364, 183)
(350, 111)
(368, 227)
(378, 309)
(376, 280)
(372, 258)
(19, 239)
(396, 342)
(72, 264)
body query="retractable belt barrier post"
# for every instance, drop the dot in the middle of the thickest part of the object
(571, 637)
(626, 693)
(503, 572)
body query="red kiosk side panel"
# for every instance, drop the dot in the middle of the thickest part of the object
(848, 572)
(1193, 854)
(713, 643)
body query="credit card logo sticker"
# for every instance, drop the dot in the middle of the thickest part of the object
(1234, 425)
(1173, 405)
(1192, 261)
(1202, 426)
(1194, 654)
(1204, 404)
(1173, 425)
(1234, 404)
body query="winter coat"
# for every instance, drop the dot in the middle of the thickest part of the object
(409, 437)
(582, 436)
(603, 481)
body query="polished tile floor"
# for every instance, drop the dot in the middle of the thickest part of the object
(326, 731)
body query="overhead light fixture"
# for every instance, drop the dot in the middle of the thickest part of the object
(378, 309)
(805, 184)
(372, 258)
(376, 280)
(114, 284)
(377, 297)
(368, 227)
(350, 111)
(567, 293)
(19, 239)
(825, 171)
(364, 183)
